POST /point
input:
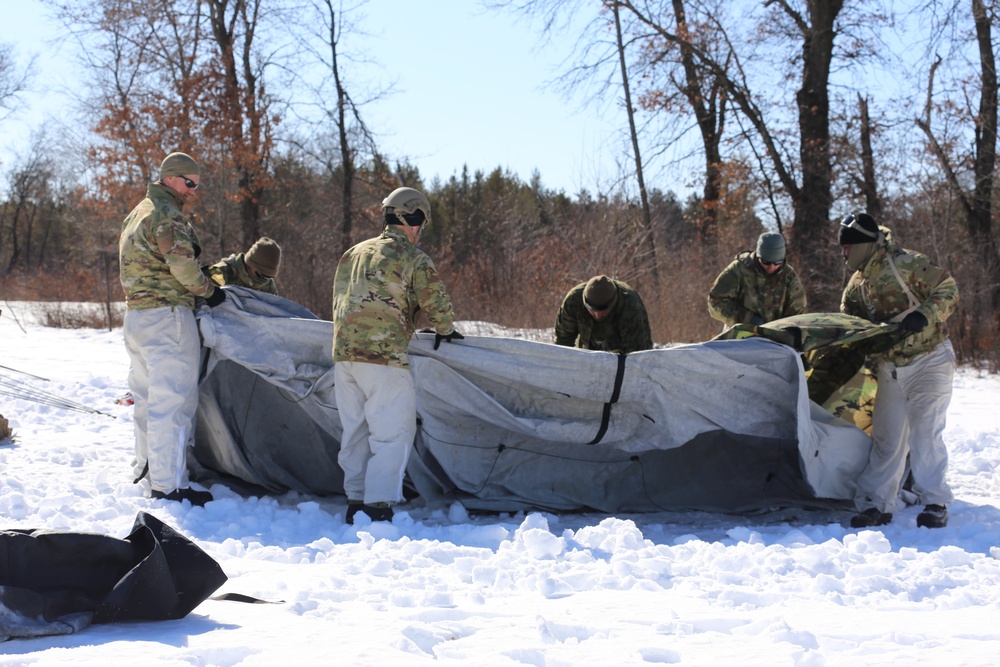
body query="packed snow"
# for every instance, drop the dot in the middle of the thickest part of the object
(786, 587)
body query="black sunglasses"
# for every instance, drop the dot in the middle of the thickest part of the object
(189, 183)
(767, 263)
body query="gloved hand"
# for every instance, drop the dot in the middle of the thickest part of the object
(913, 323)
(218, 296)
(756, 320)
(454, 335)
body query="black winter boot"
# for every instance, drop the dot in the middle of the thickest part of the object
(196, 498)
(933, 516)
(869, 518)
(375, 512)
(353, 507)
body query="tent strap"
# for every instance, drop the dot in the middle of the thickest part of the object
(606, 416)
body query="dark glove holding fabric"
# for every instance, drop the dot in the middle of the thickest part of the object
(913, 323)
(454, 335)
(218, 296)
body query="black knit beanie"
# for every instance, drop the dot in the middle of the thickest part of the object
(858, 228)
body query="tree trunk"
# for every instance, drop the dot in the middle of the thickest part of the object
(710, 120)
(647, 218)
(868, 183)
(980, 217)
(346, 153)
(812, 236)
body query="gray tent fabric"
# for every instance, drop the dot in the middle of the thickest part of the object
(507, 424)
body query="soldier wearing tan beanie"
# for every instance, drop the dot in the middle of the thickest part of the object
(256, 269)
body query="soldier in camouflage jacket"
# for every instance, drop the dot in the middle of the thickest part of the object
(757, 287)
(233, 270)
(892, 284)
(379, 286)
(160, 274)
(603, 314)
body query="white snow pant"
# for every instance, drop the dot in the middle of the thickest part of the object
(911, 405)
(378, 411)
(165, 351)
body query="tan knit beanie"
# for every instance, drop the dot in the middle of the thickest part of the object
(264, 257)
(601, 293)
(179, 164)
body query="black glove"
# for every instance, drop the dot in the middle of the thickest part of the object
(914, 322)
(756, 320)
(218, 296)
(454, 335)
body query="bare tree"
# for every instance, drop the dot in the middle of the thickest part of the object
(328, 23)
(867, 183)
(811, 193)
(14, 80)
(246, 120)
(634, 135)
(27, 204)
(977, 203)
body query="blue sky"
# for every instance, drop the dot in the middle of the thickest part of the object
(471, 89)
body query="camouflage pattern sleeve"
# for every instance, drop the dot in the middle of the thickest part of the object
(636, 334)
(725, 299)
(233, 270)
(220, 273)
(174, 237)
(795, 301)
(567, 328)
(939, 286)
(158, 264)
(432, 298)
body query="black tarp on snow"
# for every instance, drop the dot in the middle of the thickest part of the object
(55, 582)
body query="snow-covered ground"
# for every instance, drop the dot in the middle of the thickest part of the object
(792, 587)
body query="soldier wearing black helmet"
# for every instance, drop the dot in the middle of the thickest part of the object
(893, 285)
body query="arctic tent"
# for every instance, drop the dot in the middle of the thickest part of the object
(507, 424)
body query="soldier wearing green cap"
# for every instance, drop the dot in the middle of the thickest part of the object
(256, 269)
(378, 288)
(158, 251)
(758, 286)
(893, 285)
(603, 314)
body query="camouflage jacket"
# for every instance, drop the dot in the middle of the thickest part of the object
(625, 329)
(744, 289)
(233, 270)
(379, 286)
(875, 294)
(158, 253)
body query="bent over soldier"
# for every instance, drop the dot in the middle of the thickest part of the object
(603, 314)
(158, 251)
(379, 286)
(757, 287)
(255, 269)
(892, 284)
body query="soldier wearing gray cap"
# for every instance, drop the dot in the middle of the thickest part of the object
(758, 286)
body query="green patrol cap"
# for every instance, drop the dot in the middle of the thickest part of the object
(179, 164)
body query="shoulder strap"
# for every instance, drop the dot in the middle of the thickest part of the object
(914, 304)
